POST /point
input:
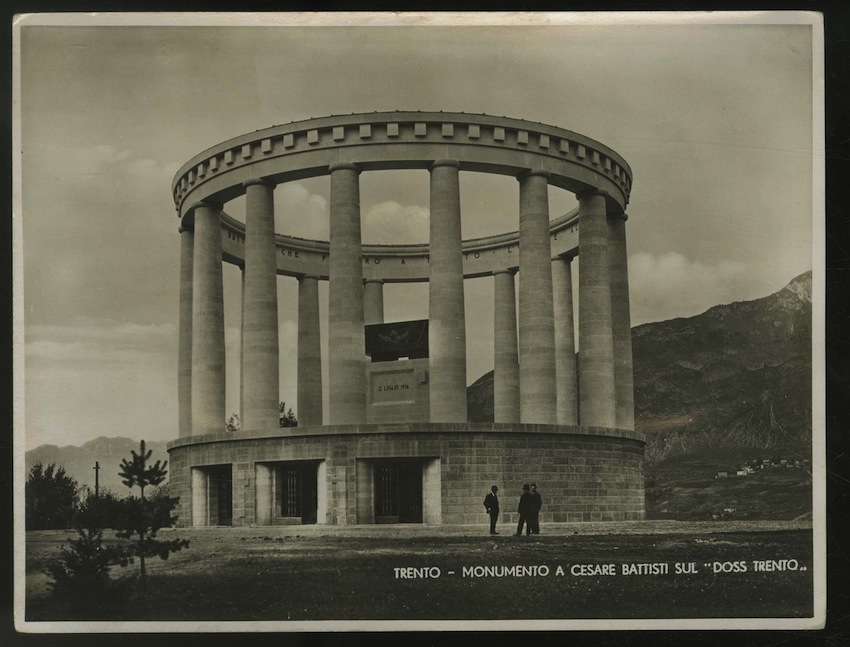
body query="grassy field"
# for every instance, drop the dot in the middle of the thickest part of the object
(310, 574)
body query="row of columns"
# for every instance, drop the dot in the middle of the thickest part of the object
(201, 351)
(535, 376)
(552, 389)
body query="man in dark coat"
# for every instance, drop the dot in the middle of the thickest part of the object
(534, 520)
(525, 509)
(491, 504)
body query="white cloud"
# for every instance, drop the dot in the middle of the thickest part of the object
(298, 212)
(670, 285)
(390, 222)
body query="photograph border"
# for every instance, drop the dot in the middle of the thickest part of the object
(819, 349)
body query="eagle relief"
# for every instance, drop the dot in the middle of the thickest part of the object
(395, 338)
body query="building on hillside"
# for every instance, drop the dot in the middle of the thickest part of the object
(396, 445)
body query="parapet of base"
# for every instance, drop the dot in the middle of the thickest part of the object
(406, 473)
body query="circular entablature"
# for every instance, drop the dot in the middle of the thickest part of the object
(401, 140)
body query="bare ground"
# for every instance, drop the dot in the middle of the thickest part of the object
(316, 572)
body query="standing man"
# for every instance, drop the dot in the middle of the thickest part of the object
(525, 509)
(534, 520)
(491, 504)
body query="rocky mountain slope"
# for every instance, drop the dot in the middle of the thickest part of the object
(738, 375)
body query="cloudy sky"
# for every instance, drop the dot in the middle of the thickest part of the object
(715, 121)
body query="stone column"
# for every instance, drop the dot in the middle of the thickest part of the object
(373, 301)
(184, 343)
(596, 346)
(260, 358)
(346, 339)
(621, 321)
(309, 353)
(536, 314)
(565, 345)
(505, 358)
(208, 356)
(446, 319)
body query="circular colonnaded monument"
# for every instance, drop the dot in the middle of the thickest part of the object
(396, 446)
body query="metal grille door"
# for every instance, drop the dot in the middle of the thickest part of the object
(398, 492)
(290, 504)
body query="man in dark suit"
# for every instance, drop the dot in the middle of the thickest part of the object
(534, 519)
(526, 510)
(491, 504)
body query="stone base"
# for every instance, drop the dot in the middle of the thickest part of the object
(414, 473)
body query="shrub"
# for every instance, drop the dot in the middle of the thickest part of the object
(81, 580)
(50, 498)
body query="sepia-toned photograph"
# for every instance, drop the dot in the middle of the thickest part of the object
(334, 322)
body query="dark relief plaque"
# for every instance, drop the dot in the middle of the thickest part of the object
(390, 341)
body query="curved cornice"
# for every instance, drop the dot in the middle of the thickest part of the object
(398, 140)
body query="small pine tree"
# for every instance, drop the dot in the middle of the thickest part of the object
(81, 580)
(143, 519)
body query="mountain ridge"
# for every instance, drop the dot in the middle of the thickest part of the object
(79, 460)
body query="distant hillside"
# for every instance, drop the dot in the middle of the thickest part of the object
(738, 375)
(479, 399)
(79, 461)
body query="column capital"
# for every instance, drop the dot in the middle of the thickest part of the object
(619, 216)
(373, 280)
(315, 277)
(567, 258)
(590, 193)
(343, 166)
(445, 162)
(259, 181)
(209, 204)
(181, 229)
(533, 173)
(504, 270)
